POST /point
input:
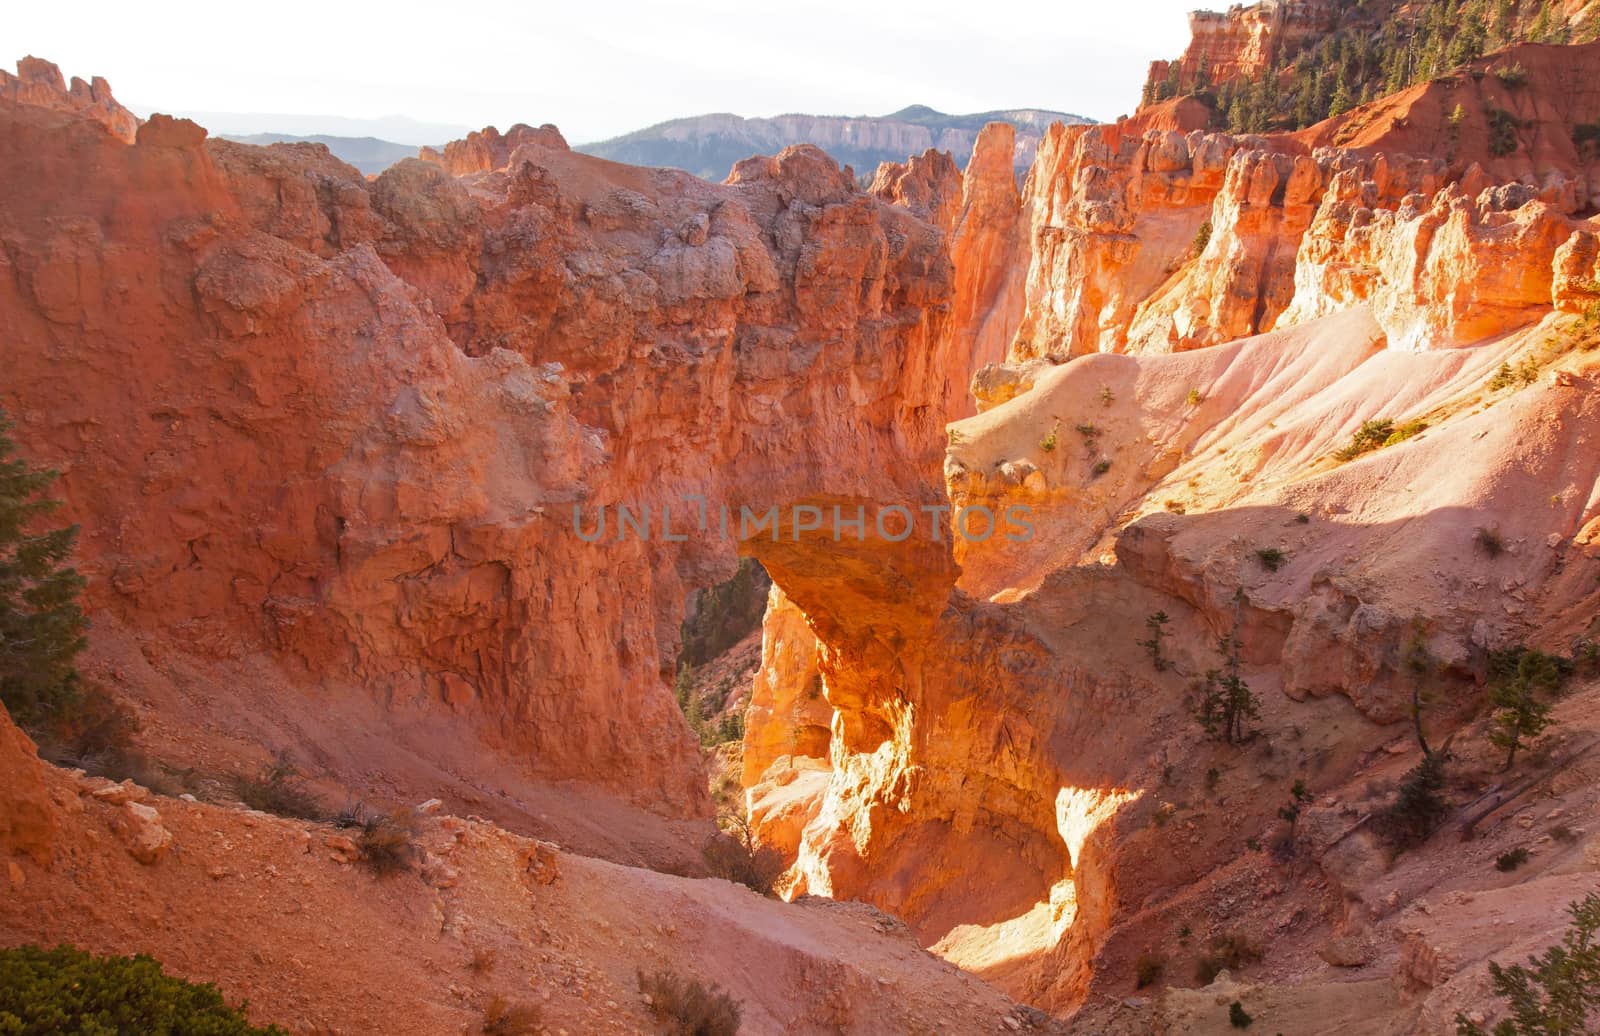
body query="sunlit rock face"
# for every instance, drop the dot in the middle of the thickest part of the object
(1206, 320)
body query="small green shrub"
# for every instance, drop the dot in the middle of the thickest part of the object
(1525, 372)
(1101, 467)
(1226, 701)
(1271, 558)
(1049, 442)
(1089, 432)
(67, 992)
(1370, 436)
(1195, 398)
(1184, 931)
(1228, 952)
(1457, 117)
(1521, 681)
(1302, 519)
(388, 844)
(1148, 968)
(1107, 397)
(1489, 541)
(1237, 1017)
(1510, 860)
(1405, 431)
(685, 1007)
(1513, 75)
(1202, 237)
(278, 789)
(504, 1018)
(733, 854)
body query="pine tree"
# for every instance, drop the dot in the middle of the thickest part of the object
(1541, 30)
(1226, 701)
(1340, 102)
(1555, 994)
(1519, 713)
(42, 629)
(1157, 625)
(1503, 27)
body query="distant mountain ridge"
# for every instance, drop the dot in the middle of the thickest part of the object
(709, 145)
(368, 154)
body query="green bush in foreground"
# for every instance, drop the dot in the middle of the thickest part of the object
(67, 992)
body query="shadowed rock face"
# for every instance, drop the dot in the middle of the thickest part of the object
(339, 427)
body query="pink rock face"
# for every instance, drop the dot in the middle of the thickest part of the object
(339, 428)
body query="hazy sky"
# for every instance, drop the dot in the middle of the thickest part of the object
(602, 67)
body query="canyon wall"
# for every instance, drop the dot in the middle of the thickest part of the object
(1150, 240)
(1206, 320)
(328, 434)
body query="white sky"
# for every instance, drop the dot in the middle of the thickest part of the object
(602, 67)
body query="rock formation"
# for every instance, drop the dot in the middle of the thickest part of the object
(358, 417)
(40, 84)
(1242, 43)
(365, 468)
(987, 779)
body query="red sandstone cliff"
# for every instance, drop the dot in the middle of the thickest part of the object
(327, 435)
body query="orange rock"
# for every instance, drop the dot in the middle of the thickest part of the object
(987, 245)
(789, 714)
(28, 815)
(1576, 282)
(488, 149)
(39, 83)
(928, 184)
(165, 131)
(1243, 42)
